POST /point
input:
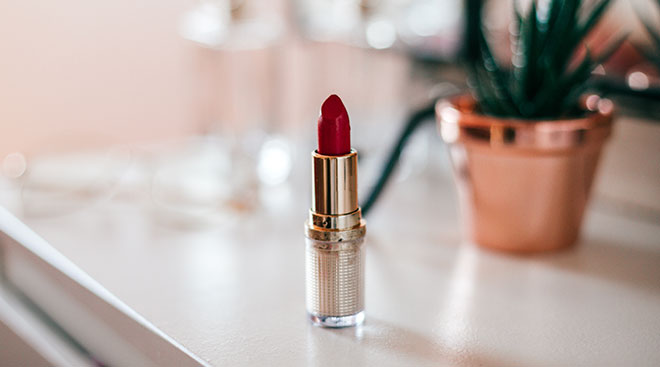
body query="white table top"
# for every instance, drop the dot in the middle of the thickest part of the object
(234, 295)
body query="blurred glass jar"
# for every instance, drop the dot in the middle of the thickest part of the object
(237, 65)
(361, 23)
(57, 184)
(237, 104)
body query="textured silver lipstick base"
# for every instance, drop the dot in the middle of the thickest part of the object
(335, 282)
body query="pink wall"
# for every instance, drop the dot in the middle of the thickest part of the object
(77, 74)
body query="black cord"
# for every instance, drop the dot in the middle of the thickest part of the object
(416, 119)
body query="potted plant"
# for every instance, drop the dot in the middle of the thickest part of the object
(525, 145)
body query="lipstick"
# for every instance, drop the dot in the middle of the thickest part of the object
(335, 229)
(334, 128)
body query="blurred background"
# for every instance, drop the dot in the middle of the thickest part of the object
(232, 88)
(196, 113)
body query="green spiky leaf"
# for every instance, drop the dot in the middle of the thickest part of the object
(652, 52)
(544, 81)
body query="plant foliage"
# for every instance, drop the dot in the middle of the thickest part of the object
(547, 75)
(652, 52)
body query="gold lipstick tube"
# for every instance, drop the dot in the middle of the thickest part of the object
(335, 253)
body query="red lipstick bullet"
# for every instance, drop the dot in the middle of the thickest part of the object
(334, 129)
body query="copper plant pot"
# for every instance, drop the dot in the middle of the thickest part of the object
(523, 185)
